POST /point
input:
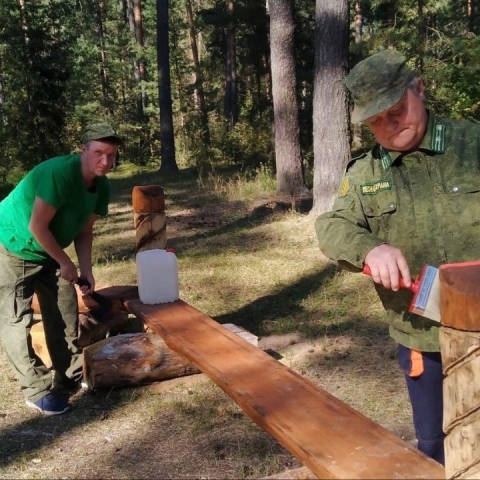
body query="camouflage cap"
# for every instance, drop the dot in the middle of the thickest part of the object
(377, 83)
(97, 131)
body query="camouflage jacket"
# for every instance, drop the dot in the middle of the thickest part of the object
(426, 203)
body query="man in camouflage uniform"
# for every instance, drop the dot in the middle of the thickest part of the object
(413, 200)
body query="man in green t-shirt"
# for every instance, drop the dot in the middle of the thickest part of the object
(413, 200)
(54, 205)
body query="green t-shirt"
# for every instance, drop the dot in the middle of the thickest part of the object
(59, 183)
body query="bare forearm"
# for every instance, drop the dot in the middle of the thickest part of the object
(83, 248)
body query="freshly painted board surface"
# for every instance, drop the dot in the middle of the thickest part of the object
(326, 435)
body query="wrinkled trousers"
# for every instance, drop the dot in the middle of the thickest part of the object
(19, 280)
(424, 377)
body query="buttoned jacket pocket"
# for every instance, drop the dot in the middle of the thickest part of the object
(379, 210)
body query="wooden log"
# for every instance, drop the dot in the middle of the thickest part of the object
(327, 436)
(460, 295)
(149, 217)
(460, 347)
(39, 344)
(90, 333)
(132, 359)
(461, 444)
(136, 359)
(455, 344)
(85, 303)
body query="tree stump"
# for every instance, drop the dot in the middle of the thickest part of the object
(460, 346)
(149, 217)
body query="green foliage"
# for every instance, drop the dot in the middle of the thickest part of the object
(64, 63)
(441, 43)
(243, 185)
(246, 144)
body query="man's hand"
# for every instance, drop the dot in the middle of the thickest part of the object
(86, 283)
(388, 265)
(68, 271)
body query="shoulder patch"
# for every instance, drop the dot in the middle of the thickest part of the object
(344, 187)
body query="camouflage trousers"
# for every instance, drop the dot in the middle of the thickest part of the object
(19, 280)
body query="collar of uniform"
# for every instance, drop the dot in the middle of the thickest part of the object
(387, 157)
(433, 141)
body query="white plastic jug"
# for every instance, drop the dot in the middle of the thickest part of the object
(157, 276)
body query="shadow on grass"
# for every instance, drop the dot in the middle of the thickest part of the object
(25, 438)
(283, 313)
(285, 302)
(243, 223)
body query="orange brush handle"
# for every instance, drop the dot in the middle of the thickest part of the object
(413, 287)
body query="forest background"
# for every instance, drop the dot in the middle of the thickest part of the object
(214, 83)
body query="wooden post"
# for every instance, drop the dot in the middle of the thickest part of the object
(149, 217)
(460, 346)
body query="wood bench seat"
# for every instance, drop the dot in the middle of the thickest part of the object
(327, 436)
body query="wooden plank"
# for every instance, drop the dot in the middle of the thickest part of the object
(326, 435)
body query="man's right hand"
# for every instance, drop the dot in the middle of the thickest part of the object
(387, 265)
(68, 271)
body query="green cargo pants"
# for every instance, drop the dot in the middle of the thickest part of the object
(19, 279)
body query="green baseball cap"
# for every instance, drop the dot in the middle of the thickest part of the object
(377, 83)
(97, 131)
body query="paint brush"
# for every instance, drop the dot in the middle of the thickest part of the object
(426, 292)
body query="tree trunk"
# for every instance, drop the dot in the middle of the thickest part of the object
(421, 36)
(134, 9)
(357, 128)
(2, 98)
(231, 70)
(330, 103)
(473, 15)
(99, 9)
(290, 178)
(198, 96)
(167, 149)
